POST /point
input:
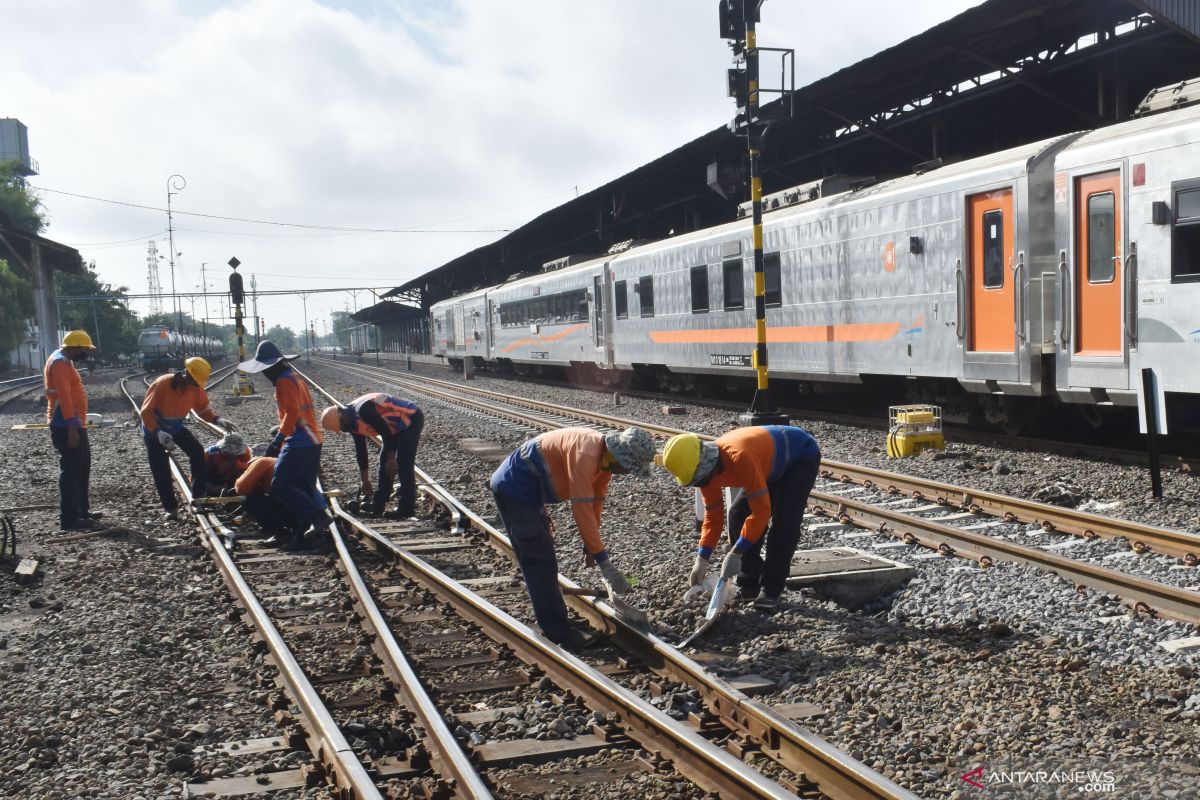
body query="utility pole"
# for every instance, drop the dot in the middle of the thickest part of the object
(176, 183)
(308, 340)
(204, 285)
(737, 19)
(254, 300)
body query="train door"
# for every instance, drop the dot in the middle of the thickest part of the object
(459, 330)
(450, 340)
(1098, 273)
(491, 320)
(992, 325)
(597, 320)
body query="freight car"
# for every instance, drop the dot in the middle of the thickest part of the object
(163, 349)
(1055, 270)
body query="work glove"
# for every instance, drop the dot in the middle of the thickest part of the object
(227, 425)
(732, 565)
(166, 440)
(699, 570)
(614, 577)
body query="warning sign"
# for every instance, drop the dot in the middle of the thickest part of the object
(1060, 187)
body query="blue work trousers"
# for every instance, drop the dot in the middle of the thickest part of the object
(789, 497)
(294, 483)
(528, 528)
(74, 473)
(406, 461)
(160, 465)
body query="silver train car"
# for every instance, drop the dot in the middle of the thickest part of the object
(163, 349)
(1058, 269)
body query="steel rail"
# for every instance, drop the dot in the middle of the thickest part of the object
(704, 763)
(455, 767)
(326, 741)
(801, 752)
(1141, 593)
(1013, 509)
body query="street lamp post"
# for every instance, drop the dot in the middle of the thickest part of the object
(175, 184)
(204, 284)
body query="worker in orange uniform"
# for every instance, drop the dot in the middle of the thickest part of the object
(272, 516)
(572, 465)
(298, 442)
(398, 424)
(168, 401)
(775, 466)
(66, 413)
(224, 462)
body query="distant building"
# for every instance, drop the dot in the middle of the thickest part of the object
(14, 146)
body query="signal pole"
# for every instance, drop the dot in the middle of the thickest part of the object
(737, 19)
(237, 297)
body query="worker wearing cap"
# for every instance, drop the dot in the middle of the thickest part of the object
(572, 465)
(298, 441)
(224, 462)
(168, 402)
(398, 424)
(775, 466)
(66, 413)
(254, 484)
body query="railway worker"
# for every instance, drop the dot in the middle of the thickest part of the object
(255, 485)
(398, 424)
(775, 466)
(168, 401)
(224, 462)
(66, 413)
(297, 444)
(572, 465)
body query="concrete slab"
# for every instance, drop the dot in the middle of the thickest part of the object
(848, 576)
(860, 535)
(1181, 645)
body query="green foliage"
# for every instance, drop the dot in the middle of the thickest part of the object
(20, 205)
(113, 326)
(284, 338)
(16, 306)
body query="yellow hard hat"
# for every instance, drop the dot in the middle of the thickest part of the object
(198, 368)
(78, 339)
(331, 419)
(681, 456)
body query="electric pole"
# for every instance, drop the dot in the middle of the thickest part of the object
(176, 183)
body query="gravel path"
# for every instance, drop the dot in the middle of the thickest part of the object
(960, 668)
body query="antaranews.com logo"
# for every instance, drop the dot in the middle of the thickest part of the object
(1076, 782)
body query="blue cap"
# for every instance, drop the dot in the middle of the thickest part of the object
(267, 355)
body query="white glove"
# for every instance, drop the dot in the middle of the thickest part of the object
(699, 570)
(228, 426)
(732, 565)
(166, 440)
(614, 577)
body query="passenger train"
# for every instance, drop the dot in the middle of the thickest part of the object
(1056, 270)
(163, 349)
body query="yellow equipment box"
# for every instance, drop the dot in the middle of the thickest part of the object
(913, 430)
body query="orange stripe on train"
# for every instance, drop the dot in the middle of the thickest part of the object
(543, 339)
(840, 332)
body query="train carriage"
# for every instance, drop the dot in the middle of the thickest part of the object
(163, 349)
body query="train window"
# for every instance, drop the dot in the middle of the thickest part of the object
(1185, 235)
(621, 291)
(735, 288)
(645, 290)
(772, 280)
(700, 289)
(993, 250)
(1102, 237)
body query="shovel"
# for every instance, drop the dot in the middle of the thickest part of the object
(720, 598)
(625, 611)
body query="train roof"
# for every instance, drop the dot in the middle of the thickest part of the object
(1101, 144)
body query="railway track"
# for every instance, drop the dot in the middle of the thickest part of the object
(293, 602)
(913, 525)
(1188, 462)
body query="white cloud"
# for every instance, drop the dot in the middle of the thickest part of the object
(373, 114)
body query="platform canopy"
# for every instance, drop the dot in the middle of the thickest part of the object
(1004, 73)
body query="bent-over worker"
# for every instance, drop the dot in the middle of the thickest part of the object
(297, 444)
(66, 413)
(224, 462)
(572, 465)
(398, 423)
(168, 401)
(775, 466)
(255, 485)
